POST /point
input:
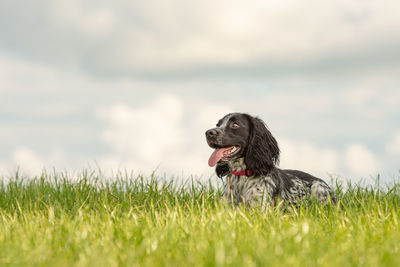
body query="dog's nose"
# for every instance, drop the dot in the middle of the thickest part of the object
(211, 133)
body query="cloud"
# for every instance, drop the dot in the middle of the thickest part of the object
(158, 134)
(168, 133)
(373, 97)
(3, 170)
(24, 159)
(143, 127)
(306, 156)
(27, 158)
(148, 132)
(393, 145)
(29, 162)
(93, 20)
(179, 37)
(360, 161)
(354, 162)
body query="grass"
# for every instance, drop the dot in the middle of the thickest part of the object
(142, 221)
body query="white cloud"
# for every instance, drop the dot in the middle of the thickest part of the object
(374, 96)
(393, 146)
(31, 163)
(159, 135)
(28, 160)
(182, 119)
(96, 21)
(308, 157)
(16, 75)
(147, 132)
(360, 161)
(3, 169)
(356, 161)
(234, 32)
(129, 37)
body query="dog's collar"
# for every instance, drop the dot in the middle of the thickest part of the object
(241, 173)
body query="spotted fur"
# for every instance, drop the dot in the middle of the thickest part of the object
(259, 153)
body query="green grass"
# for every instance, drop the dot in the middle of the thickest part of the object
(144, 222)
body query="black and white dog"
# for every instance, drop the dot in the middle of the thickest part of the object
(247, 153)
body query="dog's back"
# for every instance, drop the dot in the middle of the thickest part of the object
(297, 185)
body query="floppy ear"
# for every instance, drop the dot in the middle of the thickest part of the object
(262, 149)
(222, 169)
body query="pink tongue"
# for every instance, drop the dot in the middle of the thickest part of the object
(217, 155)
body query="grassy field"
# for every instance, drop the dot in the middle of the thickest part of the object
(144, 222)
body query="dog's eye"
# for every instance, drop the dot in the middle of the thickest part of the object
(235, 125)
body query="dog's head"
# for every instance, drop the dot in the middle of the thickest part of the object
(239, 135)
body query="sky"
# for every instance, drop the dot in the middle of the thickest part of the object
(135, 84)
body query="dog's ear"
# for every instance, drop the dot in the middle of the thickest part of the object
(222, 169)
(262, 149)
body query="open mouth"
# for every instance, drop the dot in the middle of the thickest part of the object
(222, 153)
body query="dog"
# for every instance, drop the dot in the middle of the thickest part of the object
(247, 154)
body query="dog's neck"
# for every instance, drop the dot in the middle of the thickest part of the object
(237, 164)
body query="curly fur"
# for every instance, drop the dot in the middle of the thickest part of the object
(222, 169)
(262, 151)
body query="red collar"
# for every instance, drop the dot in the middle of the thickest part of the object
(241, 173)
